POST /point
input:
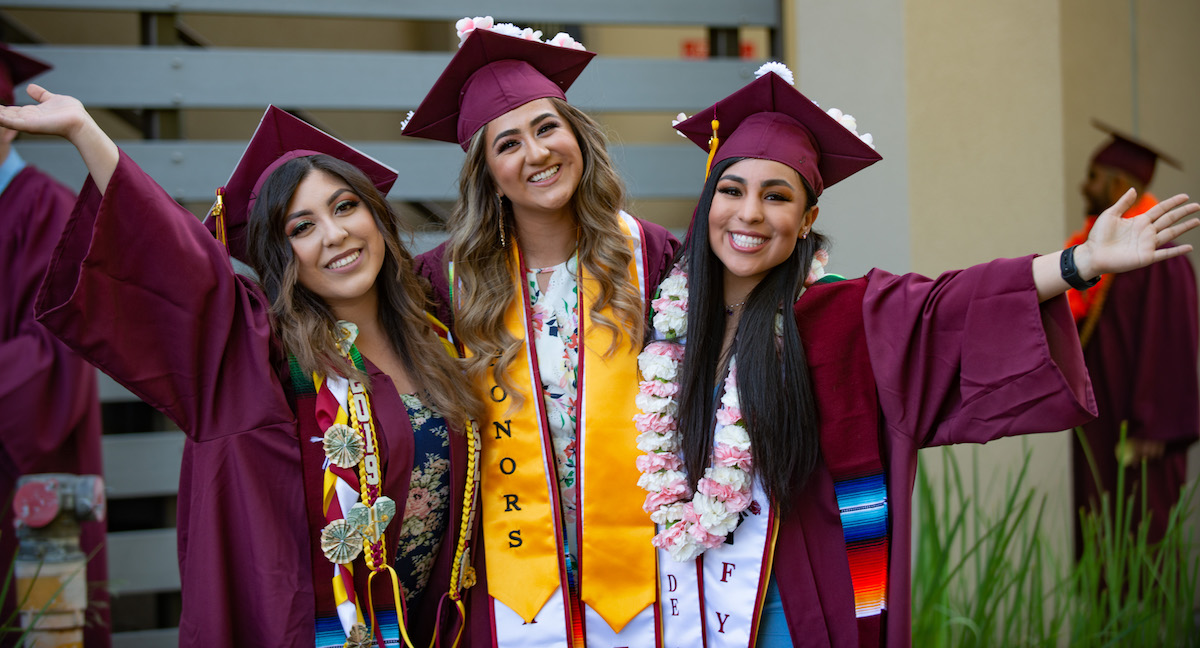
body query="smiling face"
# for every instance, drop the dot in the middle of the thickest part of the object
(338, 247)
(757, 215)
(534, 159)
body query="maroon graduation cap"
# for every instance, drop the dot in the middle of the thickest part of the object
(1129, 154)
(491, 74)
(280, 137)
(16, 68)
(771, 120)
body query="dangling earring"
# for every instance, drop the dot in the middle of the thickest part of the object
(804, 234)
(500, 208)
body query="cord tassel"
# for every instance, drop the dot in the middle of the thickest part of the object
(218, 212)
(712, 148)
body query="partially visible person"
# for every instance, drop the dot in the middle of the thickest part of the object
(326, 470)
(51, 414)
(783, 408)
(1140, 337)
(544, 280)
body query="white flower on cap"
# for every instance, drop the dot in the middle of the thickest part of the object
(563, 39)
(465, 26)
(508, 29)
(851, 125)
(778, 68)
(680, 118)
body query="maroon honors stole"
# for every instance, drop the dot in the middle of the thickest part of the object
(716, 600)
(532, 603)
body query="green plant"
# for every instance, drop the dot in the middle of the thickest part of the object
(988, 576)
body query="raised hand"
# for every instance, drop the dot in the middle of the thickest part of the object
(56, 114)
(1118, 244)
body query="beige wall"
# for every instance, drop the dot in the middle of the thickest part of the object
(985, 131)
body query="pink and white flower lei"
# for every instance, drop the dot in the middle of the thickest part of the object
(690, 526)
(465, 26)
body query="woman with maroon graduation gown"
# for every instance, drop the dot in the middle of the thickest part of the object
(544, 281)
(780, 445)
(323, 477)
(48, 396)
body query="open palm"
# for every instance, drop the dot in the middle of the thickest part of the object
(54, 114)
(1119, 244)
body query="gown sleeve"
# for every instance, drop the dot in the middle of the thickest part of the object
(140, 288)
(47, 393)
(972, 356)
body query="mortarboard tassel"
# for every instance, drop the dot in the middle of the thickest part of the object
(218, 212)
(712, 148)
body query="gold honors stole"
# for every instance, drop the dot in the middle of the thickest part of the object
(520, 503)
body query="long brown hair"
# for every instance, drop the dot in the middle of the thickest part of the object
(483, 271)
(773, 381)
(305, 323)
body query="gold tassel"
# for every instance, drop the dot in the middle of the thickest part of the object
(218, 212)
(712, 148)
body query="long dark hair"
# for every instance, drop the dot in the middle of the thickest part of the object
(774, 387)
(305, 323)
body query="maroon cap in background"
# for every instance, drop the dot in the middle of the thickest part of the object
(16, 68)
(1128, 154)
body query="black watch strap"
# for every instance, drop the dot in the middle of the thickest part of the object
(1070, 274)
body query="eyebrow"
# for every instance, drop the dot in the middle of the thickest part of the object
(513, 131)
(773, 182)
(332, 198)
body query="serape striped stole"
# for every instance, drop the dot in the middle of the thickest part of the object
(831, 325)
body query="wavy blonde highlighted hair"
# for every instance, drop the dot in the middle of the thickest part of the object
(482, 269)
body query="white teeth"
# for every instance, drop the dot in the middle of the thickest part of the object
(741, 240)
(544, 174)
(344, 261)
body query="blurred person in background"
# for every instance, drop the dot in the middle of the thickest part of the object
(1139, 336)
(51, 421)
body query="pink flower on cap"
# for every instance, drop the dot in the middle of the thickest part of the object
(465, 26)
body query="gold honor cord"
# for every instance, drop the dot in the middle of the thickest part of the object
(462, 574)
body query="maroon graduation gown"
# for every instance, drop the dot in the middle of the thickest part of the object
(1142, 360)
(51, 415)
(142, 290)
(659, 247)
(965, 358)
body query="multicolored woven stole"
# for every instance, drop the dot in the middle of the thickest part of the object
(850, 443)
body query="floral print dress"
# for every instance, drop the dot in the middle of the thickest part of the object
(556, 338)
(427, 512)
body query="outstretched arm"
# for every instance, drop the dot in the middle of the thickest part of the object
(64, 116)
(1118, 244)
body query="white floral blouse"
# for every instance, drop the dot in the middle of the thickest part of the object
(556, 338)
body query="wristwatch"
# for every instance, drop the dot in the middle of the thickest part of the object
(1070, 274)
